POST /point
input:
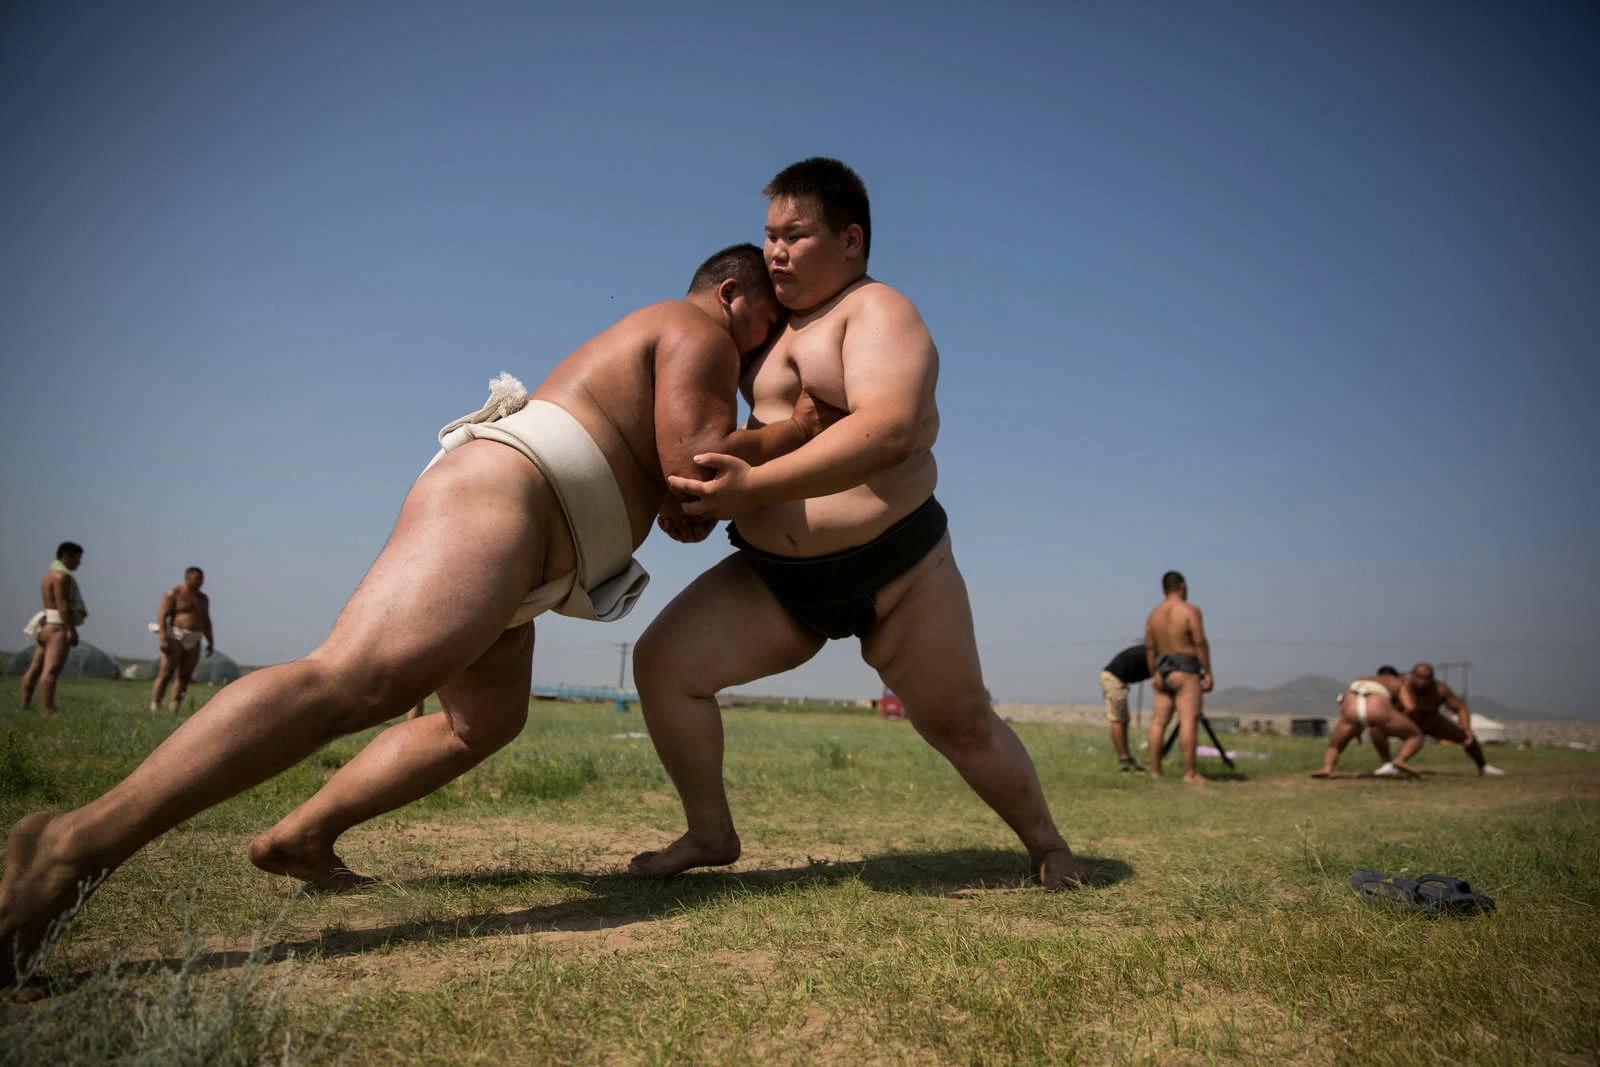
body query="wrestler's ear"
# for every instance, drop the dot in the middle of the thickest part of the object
(854, 239)
(727, 292)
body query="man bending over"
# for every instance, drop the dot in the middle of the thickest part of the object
(1422, 695)
(534, 505)
(1372, 704)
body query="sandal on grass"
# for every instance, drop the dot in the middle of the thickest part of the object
(1429, 894)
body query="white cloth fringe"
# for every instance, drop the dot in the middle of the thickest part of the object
(507, 396)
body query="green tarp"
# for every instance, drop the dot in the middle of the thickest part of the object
(85, 661)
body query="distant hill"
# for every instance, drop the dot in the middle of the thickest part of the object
(1312, 694)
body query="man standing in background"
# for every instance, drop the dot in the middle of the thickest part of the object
(54, 629)
(1127, 668)
(183, 618)
(1179, 657)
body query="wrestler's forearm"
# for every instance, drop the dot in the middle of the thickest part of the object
(849, 453)
(765, 444)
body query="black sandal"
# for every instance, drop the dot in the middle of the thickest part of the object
(1430, 894)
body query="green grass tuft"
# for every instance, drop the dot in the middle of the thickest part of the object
(548, 777)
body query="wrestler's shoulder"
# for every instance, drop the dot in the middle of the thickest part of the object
(679, 321)
(874, 295)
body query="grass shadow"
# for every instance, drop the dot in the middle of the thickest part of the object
(622, 900)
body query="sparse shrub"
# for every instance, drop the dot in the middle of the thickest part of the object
(834, 756)
(155, 1015)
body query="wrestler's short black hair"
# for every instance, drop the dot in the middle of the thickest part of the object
(1388, 669)
(1171, 581)
(742, 263)
(68, 548)
(838, 191)
(193, 570)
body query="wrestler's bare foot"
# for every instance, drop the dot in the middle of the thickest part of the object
(37, 887)
(313, 863)
(1193, 778)
(687, 851)
(1324, 773)
(1059, 869)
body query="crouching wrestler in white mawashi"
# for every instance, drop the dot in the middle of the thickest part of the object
(1369, 704)
(536, 504)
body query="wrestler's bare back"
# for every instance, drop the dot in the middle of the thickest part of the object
(609, 384)
(810, 353)
(1388, 681)
(53, 592)
(1173, 626)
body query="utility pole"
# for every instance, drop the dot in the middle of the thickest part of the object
(622, 662)
(1466, 674)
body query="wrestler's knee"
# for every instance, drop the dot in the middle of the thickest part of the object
(660, 666)
(357, 692)
(958, 722)
(482, 733)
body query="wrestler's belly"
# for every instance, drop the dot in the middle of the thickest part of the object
(184, 620)
(826, 524)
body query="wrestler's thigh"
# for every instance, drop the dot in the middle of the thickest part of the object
(1436, 725)
(1390, 720)
(726, 628)
(1188, 693)
(923, 645)
(463, 554)
(1346, 729)
(1161, 704)
(56, 649)
(487, 702)
(189, 659)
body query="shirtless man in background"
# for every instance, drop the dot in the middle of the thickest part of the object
(1179, 658)
(1421, 697)
(1373, 704)
(841, 538)
(488, 537)
(54, 628)
(183, 618)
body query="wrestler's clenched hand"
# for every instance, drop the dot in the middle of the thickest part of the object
(680, 527)
(724, 496)
(686, 528)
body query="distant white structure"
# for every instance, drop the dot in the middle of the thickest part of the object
(1489, 731)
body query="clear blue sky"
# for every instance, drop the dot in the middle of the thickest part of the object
(1301, 302)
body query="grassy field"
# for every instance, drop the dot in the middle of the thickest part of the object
(880, 913)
